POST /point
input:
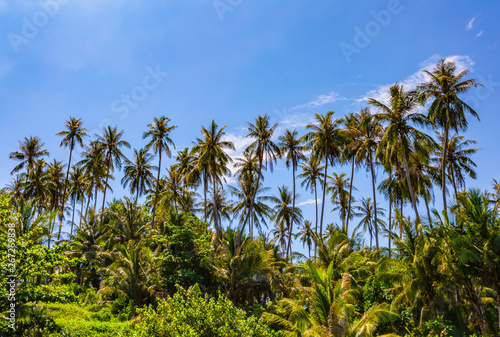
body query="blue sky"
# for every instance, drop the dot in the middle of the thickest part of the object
(231, 60)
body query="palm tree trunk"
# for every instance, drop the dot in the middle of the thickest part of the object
(105, 186)
(81, 212)
(374, 200)
(410, 187)
(324, 196)
(95, 198)
(66, 180)
(390, 220)
(205, 196)
(73, 217)
(289, 249)
(428, 211)
(401, 220)
(216, 215)
(157, 188)
(252, 199)
(443, 160)
(454, 184)
(350, 197)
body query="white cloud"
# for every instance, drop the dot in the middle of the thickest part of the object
(309, 202)
(470, 25)
(321, 100)
(480, 33)
(296, 121)
(381, 93)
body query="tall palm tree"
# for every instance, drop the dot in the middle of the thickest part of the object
(340, 196)
(111, 141)
(244, 192)
(138, 173)
(159, 132)
(447, 110)
(311, 175)
(212, 161)
(55, 174)
(30, 150)
(307, 235)
(291, 148)
(73, 135)
(265, 150)
(283, 212)
(173, 190)
(325, 140)
(399, 135)
(77, 191)
(366, 210)
(458, 162)
(370, 131)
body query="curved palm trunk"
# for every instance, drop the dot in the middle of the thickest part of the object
(205, 187)
(390, 221)
(374, 200)
(81, 211)
(454, 184)
(410, 187)
(95, 198)
(428, 211)
(289, 248)
(350, 197)
(157, 189)
(324, 196)
(216, 215)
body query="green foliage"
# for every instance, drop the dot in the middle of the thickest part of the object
(188, 313)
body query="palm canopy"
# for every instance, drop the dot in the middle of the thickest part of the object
(73, 134)
(30, 150)
(138, 173)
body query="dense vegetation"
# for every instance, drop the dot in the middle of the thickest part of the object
(172, 266)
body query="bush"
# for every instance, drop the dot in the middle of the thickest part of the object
(188, 313)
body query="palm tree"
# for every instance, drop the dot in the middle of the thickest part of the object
(447, 110)
(244, 192)
(138, 173)
(340, 196)
(325, 140)
(265, 150)
(368, 221)
(283, 212)
(77, 191)
(159, 132)
(290, 146)
(399, 134)
(458, 162)
(55, 174)
(307, 235)
(73, 135)
(311, 175)
(30, 150)
(111, 142)
(212, 160)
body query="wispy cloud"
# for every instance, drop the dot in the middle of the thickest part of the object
(480, 33)
(309, 202)
(470, 25)
(331, 97)
(381, 93)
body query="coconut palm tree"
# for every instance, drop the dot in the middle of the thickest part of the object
(306, 235)
(283, 212)
(55, 174)
(366, 211)
(399, 135)
(340, 196)
(447, 109)
(77, 191)
(265, 150)
(213, 161)
(243, 193)
(138, 173)
(111, 141)
(159, 132)
(325, 140)
(73, 135)
(311, 175)
(458, 159)
(30, 150)
(293, 151)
